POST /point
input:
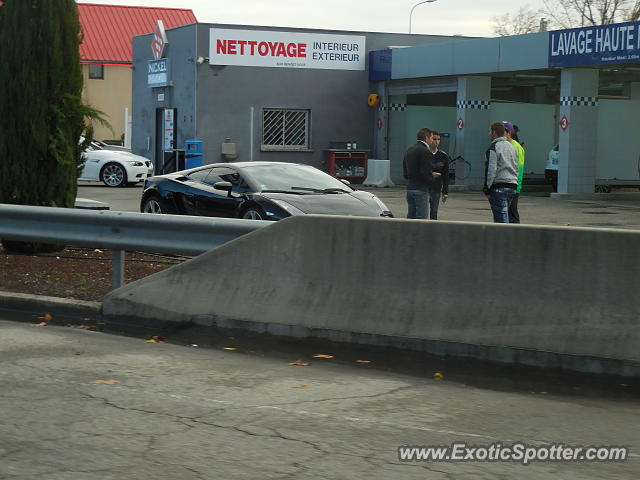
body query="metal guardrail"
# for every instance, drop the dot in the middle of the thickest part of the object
(121, 231)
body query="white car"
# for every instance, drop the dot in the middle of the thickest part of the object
(115, 168)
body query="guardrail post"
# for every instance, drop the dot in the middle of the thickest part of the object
(117, 269)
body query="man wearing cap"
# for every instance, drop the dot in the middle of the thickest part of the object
(501, 173)
(511, 131)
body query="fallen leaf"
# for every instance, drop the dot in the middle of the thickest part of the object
(438, 376)
(47, 317)
(156, 339)
(107, 382)
(84, 327)
(304, 385)
(300, 363)
(363, 361)
(41, 324)
(230, 348)
(97, 250)
(322, 355)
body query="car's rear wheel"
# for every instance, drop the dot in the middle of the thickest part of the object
(156, 204)
(254, 213)
(113, 175)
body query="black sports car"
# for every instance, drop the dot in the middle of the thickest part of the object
(256, 190)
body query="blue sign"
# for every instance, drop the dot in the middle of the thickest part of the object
(380, 65)
(158, 73)
(597, 45)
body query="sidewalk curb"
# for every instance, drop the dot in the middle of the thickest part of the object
(39, 304)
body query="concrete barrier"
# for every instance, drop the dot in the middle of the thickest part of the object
(563, 297)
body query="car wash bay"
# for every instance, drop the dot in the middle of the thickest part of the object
(587, 104)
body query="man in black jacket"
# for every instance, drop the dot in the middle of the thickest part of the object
(418, 170)
(440, 186)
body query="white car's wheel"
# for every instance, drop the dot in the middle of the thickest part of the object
(113, 175)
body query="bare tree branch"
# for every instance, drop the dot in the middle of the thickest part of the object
(568, 14)
(524, 20)
(633, 12)
(581, 13)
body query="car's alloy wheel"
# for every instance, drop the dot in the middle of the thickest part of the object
(152, 206)
(253, 214)
(113, 175)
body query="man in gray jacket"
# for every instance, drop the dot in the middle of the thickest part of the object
(501, 173)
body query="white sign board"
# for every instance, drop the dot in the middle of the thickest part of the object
(169, 129)
(286, 49)
(158, 73)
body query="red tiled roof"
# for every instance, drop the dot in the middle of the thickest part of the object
(108, 29)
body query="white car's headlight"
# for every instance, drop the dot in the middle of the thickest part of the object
(287, 207)
(136, 163)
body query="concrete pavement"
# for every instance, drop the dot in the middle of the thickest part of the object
(610, 210)
(85, 405)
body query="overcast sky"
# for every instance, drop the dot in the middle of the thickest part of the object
(443, 17)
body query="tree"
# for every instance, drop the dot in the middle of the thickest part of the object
(582, 13)
(568, 14)
(524, 20)
(43, 116)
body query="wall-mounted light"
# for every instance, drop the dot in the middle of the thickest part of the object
(201, 60)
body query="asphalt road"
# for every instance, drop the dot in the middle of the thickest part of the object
(83, 405)
(535, 208)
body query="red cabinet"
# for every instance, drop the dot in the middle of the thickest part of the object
(348, 164)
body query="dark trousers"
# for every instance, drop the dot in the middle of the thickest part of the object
(434, 203)
(552, 178)
(514, 216)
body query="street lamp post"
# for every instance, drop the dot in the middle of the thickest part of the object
(414, 7)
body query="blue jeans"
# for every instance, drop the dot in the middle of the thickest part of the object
(417, 204)
(500, 198)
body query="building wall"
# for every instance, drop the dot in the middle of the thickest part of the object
(111, 95)
(218, 102)
(619, 158)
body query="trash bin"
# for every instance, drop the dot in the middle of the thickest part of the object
(193, 153)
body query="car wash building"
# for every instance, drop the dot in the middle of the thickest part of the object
(241, 93)
(578, 89)
(232, 93)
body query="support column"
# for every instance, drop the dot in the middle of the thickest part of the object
(396, 132)
(380, 121)
(472, 140)
(578, 140)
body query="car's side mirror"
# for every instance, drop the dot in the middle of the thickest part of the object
(226, 186)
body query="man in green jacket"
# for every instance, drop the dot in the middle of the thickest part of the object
(510, 131)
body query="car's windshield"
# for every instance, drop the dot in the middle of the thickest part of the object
(293, 178)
